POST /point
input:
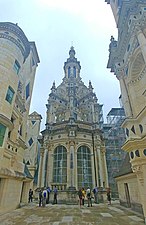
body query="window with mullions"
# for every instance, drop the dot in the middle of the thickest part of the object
(84, 169)
(10, 94)
(2, 134)
(60, 165)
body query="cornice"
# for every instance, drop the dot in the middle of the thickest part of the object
(21, 42)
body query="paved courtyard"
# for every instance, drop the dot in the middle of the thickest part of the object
(100, 214)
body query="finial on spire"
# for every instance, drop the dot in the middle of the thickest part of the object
(90, 85)
(53, 86)
(72, 52)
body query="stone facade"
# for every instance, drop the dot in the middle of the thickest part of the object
(73, 149)
(127, 60)
(18, 63)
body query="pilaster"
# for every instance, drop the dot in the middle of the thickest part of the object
(100, 166)
(40, 167)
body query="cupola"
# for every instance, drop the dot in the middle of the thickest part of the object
(72, 66)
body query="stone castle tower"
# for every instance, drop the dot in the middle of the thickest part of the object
(127, 59)
(72, 151)
(18, 63)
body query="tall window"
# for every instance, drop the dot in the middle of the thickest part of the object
(60, 165)
(84, 169)
(27, 90)
(10, 94)
(68, 72)
(16, 66)
(74, 71)
(2, 133)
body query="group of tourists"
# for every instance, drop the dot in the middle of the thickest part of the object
(87, 194)
(91, 194)
(44, 196)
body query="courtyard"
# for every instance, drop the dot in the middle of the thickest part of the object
(98, 214)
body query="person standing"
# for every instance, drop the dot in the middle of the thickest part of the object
(109, 196)
(44, 197)
(30, 195)
(88, 192)
(48, 195)
(40, 197)
(55, 195)
(83, 196)
(95, 192)
(80, 196)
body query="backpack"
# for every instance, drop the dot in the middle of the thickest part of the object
(44, 194)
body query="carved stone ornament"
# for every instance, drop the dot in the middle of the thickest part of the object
(136, 169)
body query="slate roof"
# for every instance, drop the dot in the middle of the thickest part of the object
(27, 173)
(125, 168)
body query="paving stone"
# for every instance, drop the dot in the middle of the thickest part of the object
(86, 211)
(67, 219)
(116, 209)
(135, 218)
(106, 214)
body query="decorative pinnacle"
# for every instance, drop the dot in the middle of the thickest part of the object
(72, 52)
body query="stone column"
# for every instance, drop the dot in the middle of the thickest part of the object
(93, 169)
(50, 165)
(43, 180)
(72, 166)
(75, 170)
(40, 167)
(68, 169)
(96, 161)
(100, 166)
(142, 41)
(105, 168)
(48, 168)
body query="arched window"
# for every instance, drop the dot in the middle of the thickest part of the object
(60, 165)
(84, 169)
(74, 71)
(68, 72)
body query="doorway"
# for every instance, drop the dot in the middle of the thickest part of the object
(127, 195)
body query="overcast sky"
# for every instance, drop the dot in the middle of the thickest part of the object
(55, 25)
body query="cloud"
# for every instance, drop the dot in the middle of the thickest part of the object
(93, 12)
